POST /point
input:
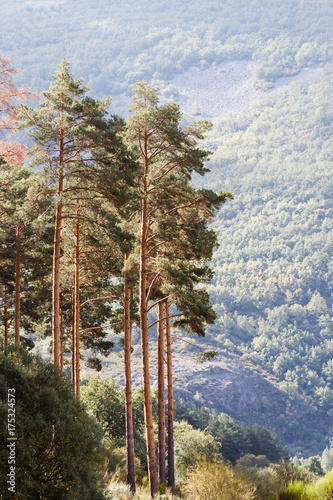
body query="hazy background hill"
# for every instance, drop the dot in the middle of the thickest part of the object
(262, 71)
(113, 44)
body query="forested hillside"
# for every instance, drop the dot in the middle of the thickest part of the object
(112, 45)
(273, 269)
(273, 274)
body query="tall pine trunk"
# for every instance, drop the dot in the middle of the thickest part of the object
(5, 315)
(151, 458)
(56, 265)
(77, 308)
(73, 336)
(18, 285)
(171, 456)
(61, 342)
(161, 396)
(130, 454)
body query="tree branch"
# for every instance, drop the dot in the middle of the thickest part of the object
(157, 302)
(166, 317)
(99, 327)
(99, 298)
(183, 340)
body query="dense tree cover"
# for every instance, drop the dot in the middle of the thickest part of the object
(58, 444)
(165, 38)
(234, 439)
(103, 179)
(273, 273)
(105, 401)
(80, 151)
(250, 459)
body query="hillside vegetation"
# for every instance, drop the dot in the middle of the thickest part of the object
(112, 45)
(273, 281)
(273, 270)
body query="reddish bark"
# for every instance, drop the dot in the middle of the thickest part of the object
(171, 459)
(18, 285)
(161, 396)
(73, 340)
(56, 266)
(6, 317)
(61, 343)
(151, 458)
(77, 308)
(130, 454)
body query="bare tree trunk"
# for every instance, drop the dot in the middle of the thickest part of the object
(171, 457)
(77, 307)
(161, 396)
(6, 317)
(73, 340)
(61, 343)
(151, 458)
(18, 285)
(130, 454)
(56, 265)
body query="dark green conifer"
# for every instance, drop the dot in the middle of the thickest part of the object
(168, 155)
(79, 149)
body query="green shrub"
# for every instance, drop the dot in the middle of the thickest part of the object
(296, 490)
(113, 468)
(325, 487)
(265, 481)
(191, 446)
(58, 444)
(213, 480)
(250, 460)
(320, 490)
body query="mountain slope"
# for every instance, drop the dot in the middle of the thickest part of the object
(113, 44)
(273, 270)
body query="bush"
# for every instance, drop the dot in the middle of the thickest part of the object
(249, 460)
(320, 490)
(113, 466)
(213, 480)
(324, 487)
(191, 446)
(265, 481)
(118, 491)
(58, 444)
(105, 401)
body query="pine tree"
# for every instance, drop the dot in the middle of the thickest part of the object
(80, 149)
(168, 155)
(185, 248)
(130, 452)
(22, 223)
(94, 245)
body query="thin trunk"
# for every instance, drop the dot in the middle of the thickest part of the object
(77, 308)
(73, 339)
(161, 396)
(151, 458)
(56, 265)
(171, 459)
(130, 454)
(6, 317)
(18, 285)
(62, 356)
(61, 343)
